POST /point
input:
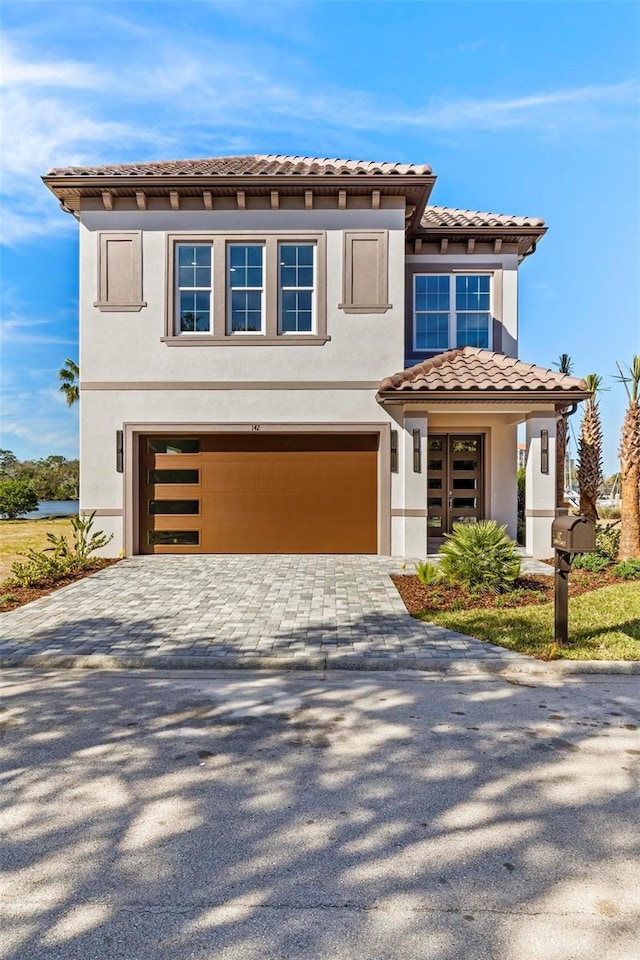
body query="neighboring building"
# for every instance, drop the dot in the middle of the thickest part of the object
(521, 455)
(288, 354)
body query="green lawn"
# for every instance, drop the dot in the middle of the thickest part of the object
(16, 536)
(603, 625)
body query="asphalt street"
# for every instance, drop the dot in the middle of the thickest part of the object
(313, 816)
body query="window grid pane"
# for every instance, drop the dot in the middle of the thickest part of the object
(245, 274)
(194, 287)
(296, 281)
(432, 311)
(472, 330)
(432, 331)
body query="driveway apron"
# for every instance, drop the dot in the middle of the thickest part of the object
(306, 609)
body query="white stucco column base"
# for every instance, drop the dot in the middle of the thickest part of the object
(415, 489)
(540, 497)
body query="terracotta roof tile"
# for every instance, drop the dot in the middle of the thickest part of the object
(471, 370)
(454, 217)
(249, 166)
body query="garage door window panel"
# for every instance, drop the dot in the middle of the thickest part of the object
(174, 476)
(173, 445)
(163, 507)
(159, 538)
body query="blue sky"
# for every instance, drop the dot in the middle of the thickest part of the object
(525, 108)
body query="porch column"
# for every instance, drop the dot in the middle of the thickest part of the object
(540, 497)
(415, 488)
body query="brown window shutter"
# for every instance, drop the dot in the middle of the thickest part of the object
(366, 272)
(120, 272)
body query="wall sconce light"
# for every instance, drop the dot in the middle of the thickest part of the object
(417, 459)
(394, 451)
(544, 451)
(119, 451)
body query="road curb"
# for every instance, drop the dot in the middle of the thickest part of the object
(525, 666)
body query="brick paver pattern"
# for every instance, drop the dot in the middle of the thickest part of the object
(230, 606)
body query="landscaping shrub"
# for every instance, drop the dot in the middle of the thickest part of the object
(39, 566)
(428, 572)
(608, 540)
(84, 540)
(17, 497)
(61, 558)
(607, 546)
(593, 562)
(480, 556)
(628, 569)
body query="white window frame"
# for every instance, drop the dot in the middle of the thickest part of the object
(453, 313)
(178, 290)
(229, 291)
(219, 333)
(282, 289)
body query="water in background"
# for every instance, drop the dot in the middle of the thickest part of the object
(54, 508)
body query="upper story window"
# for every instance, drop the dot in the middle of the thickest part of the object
(246, 287)
(451, 310)
(233, 289)
(296, 287)
(194, 287)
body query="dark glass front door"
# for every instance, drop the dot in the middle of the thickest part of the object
(454, 481)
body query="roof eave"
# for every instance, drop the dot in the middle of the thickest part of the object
(413, 183)
(70, 190)
(495, 230)
(526, 237)
(558, 397)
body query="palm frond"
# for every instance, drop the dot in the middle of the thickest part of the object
(631, 379)
(564, 364)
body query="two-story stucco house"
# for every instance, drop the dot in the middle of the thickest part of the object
(299, 355)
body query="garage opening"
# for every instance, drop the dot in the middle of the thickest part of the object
(259, 493)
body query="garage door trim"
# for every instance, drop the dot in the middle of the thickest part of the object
(132, 432)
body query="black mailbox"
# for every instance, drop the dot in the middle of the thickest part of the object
(573, 534)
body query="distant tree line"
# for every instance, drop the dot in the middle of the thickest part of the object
(52, 478)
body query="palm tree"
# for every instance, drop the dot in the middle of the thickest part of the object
(590, 451)
(68, 377)
(630, 463)
(564, 365)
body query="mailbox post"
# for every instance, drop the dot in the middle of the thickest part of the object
(569, 535)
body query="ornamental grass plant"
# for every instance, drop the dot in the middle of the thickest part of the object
(480, 556)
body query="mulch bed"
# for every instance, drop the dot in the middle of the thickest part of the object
(12, 597)
(528, 590)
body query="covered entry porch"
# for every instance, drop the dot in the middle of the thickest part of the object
(458, 414)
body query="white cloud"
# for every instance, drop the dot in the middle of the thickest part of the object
(539, 111)
(35, 434)
(16, 71)
(184, 95)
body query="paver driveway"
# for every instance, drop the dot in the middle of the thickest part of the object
(302, 607)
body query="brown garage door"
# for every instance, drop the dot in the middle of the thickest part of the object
(259, 493)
